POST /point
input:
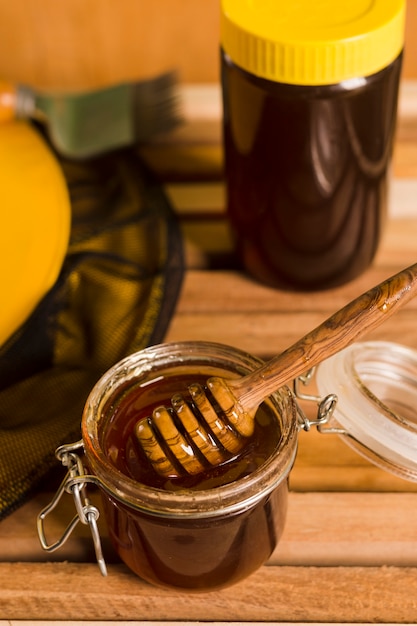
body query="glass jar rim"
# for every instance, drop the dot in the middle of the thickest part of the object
(227, 498)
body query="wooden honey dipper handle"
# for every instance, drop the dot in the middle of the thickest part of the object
(239, 398)
(354, 320)
(7, 101)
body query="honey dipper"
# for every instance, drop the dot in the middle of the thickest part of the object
(208, 435)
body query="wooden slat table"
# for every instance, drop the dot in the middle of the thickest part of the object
(349, 550)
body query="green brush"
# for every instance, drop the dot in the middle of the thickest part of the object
(82, 125)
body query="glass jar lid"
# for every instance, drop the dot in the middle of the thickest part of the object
(376, 386)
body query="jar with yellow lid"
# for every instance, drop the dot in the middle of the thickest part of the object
(310, 100)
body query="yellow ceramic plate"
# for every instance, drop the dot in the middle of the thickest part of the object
(35, 216)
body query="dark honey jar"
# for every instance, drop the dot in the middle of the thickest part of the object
(200, 533)
(209, 531)
(310, 96)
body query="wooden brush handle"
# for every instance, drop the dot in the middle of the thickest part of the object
(7, 101)
(340, 330)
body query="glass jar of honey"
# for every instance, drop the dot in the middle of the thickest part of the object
(209, 530)
(197, 532)
(309, 100)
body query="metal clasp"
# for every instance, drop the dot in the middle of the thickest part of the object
(74, 483)
(325, 410)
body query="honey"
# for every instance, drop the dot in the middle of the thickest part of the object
(193, 553)
(137, 402)
(196, 532)
(161, 554)
(307, 201)
(309, 111)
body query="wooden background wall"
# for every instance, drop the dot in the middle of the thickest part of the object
(85, 43)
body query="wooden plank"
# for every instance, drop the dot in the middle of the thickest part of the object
(202, 199)
(171, 623)
(193, 160)
(51, 590)
(230, 307)
(159, 623)
(257, 332)
(208, 239)
(355, 529)
(194, 151)
(322, 529)
(151, 623)
(205, 241)
(326, 463)
(189, 162)
(232, 292)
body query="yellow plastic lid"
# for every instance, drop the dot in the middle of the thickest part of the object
(35, 221)
(312, 43)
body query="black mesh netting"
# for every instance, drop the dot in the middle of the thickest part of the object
(116, 294)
